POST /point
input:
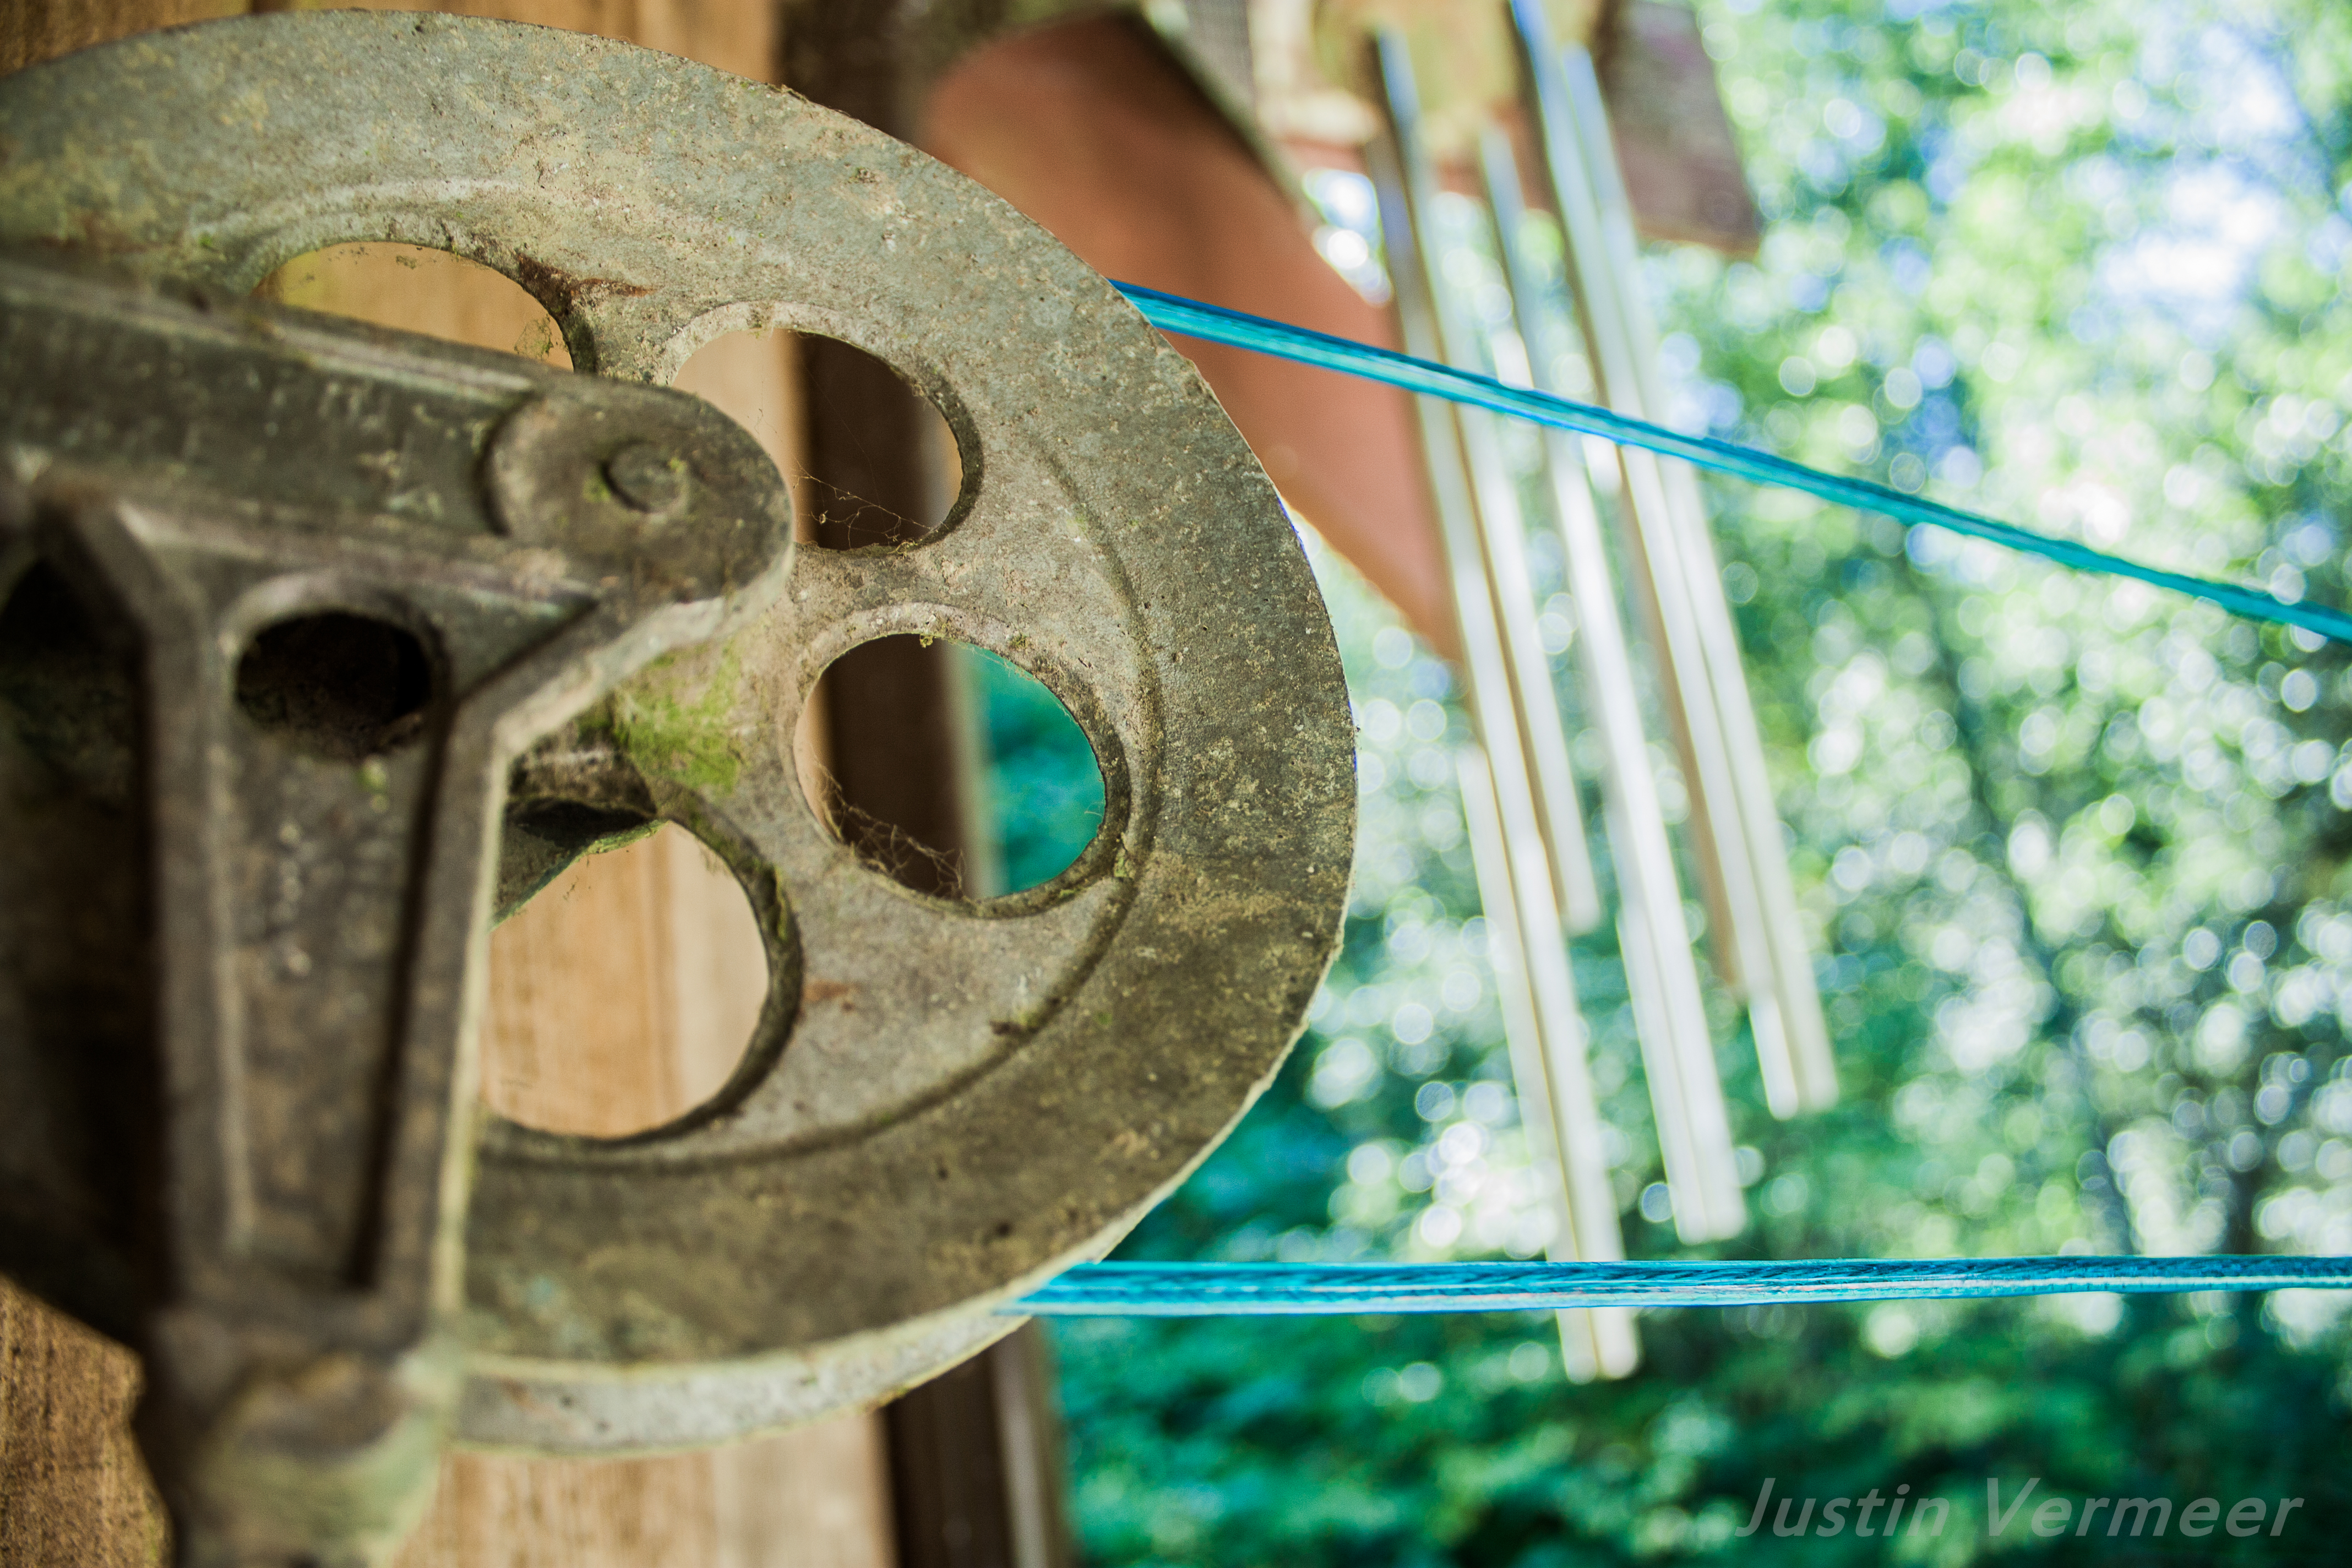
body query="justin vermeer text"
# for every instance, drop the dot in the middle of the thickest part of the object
(1877, 1513)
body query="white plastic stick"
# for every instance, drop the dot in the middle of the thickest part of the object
(1700, 645)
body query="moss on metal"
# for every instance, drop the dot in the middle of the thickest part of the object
(673, 719)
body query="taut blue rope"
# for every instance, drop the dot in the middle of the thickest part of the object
(1189, 318)
(1217, 1289)
(1222, 1289)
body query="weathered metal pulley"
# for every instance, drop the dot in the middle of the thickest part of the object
(283, 600)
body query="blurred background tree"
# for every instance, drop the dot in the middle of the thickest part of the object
(2076, 851)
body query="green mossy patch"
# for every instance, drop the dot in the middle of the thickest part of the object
(673, 719)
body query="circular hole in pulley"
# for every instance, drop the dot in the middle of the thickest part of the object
(752, 377)
(624, 993)
(336, 685)
(948, 768)
(414, 289)
(879, 463)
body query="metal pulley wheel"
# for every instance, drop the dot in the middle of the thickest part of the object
(944, 1102)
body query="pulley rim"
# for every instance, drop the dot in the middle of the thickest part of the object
(843, 1223)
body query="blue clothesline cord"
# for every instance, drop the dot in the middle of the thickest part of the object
(1215, 1290)
(1227, 1290)
(1214, 323)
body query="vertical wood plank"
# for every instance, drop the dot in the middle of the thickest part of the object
(559, 1513)
(815, 1498)
(32, 31)
(72, 1488)
(718, 967)
(581, 1031)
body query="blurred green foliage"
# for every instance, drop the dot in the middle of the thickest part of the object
(2073, 852)
(1044, 791)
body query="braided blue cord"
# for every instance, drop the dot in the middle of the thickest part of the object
(1222, 1289)
(1173, 313)
(1208, 1290)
